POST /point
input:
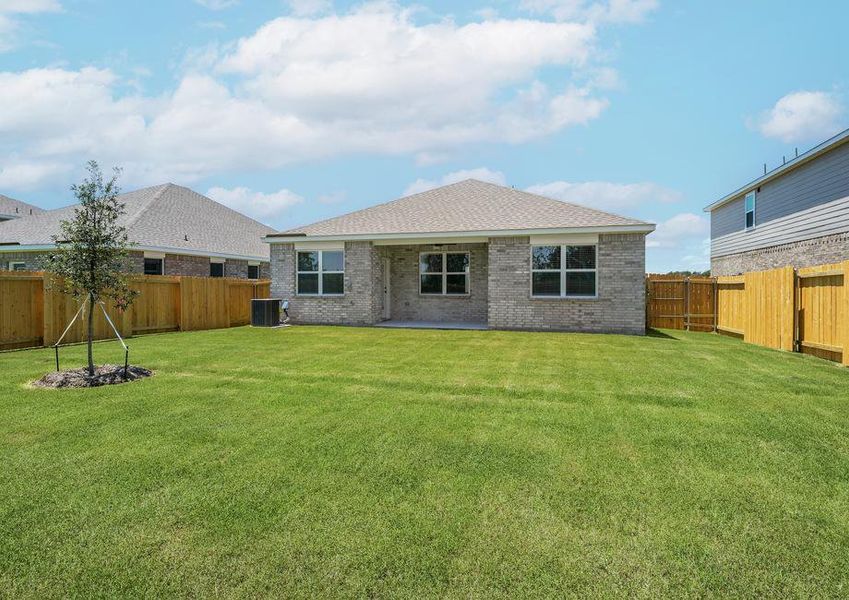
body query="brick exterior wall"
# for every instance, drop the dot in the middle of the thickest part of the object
(499, 288)
(194, 266)
(808, 253)
(359, 305)
(407, 304)
(32, 260)
(619, 308)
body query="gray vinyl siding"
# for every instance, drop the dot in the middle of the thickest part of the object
(818, 182)
(728, 218)
(812, 223)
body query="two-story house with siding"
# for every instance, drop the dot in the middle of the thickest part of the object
(797, 214)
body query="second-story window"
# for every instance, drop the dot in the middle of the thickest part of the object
(750, 210)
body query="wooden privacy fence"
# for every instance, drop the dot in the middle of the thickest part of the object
(676, 302)
(32, 315)
(797, 310)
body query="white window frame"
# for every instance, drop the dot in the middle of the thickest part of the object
(15, 263)
(321, 272)
(445, 273)
(563, 271)
(746, 211)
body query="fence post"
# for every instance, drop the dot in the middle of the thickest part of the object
(797, 337)
(715, 304)
(843, 315)
(788, 283)
(181, 310)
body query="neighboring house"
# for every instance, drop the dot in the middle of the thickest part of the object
(467, 253)
(15, 209)
(176, 231)
(798, 214)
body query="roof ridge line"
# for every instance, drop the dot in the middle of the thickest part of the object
(166, 186)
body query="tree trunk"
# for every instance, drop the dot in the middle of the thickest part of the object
(90, 335)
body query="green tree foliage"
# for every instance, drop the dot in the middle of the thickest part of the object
(91, 260)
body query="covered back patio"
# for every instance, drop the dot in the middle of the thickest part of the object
(434, 285)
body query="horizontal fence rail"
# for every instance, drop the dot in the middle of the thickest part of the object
(32, 314)
(798, 310)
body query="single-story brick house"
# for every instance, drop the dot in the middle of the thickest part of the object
(15, 209)
(176, 231)
(470, 253)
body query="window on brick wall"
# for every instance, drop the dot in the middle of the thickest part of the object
(253, 271)
(153, 266)
(564, 271)
(321, 273)
(17, 265)
(216, 269)
(444, 273)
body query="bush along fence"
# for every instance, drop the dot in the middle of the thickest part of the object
(797, 310)
(32, 315)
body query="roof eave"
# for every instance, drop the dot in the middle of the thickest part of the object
(290, 237)
(11, 247)
(793, 163)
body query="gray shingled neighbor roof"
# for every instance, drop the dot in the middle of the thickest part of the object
(15, 209)
(167, 217)
(467, 206)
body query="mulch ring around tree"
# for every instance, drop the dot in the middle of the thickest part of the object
(103, 375)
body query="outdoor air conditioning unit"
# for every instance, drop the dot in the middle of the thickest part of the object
(265, 312)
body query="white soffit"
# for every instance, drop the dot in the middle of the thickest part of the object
(319, 245)
(558, 239)
(425, 241)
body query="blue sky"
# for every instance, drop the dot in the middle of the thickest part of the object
(292, 111)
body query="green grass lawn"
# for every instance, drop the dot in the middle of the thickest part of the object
(320, 461)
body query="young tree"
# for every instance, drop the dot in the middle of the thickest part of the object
(91, 258)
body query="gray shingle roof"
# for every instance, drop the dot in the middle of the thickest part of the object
(466, 206)
(11, 208)
(165, 216)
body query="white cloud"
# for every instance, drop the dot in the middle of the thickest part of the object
(257, 205)
(611, 11)
(681, 242)
(307, 8)
(217, 4)
(801, 117)
(10, 26)
(372, 80)
(682, 228)
(29, 7)
(27, 175)
(482, 174)
(608, 196)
